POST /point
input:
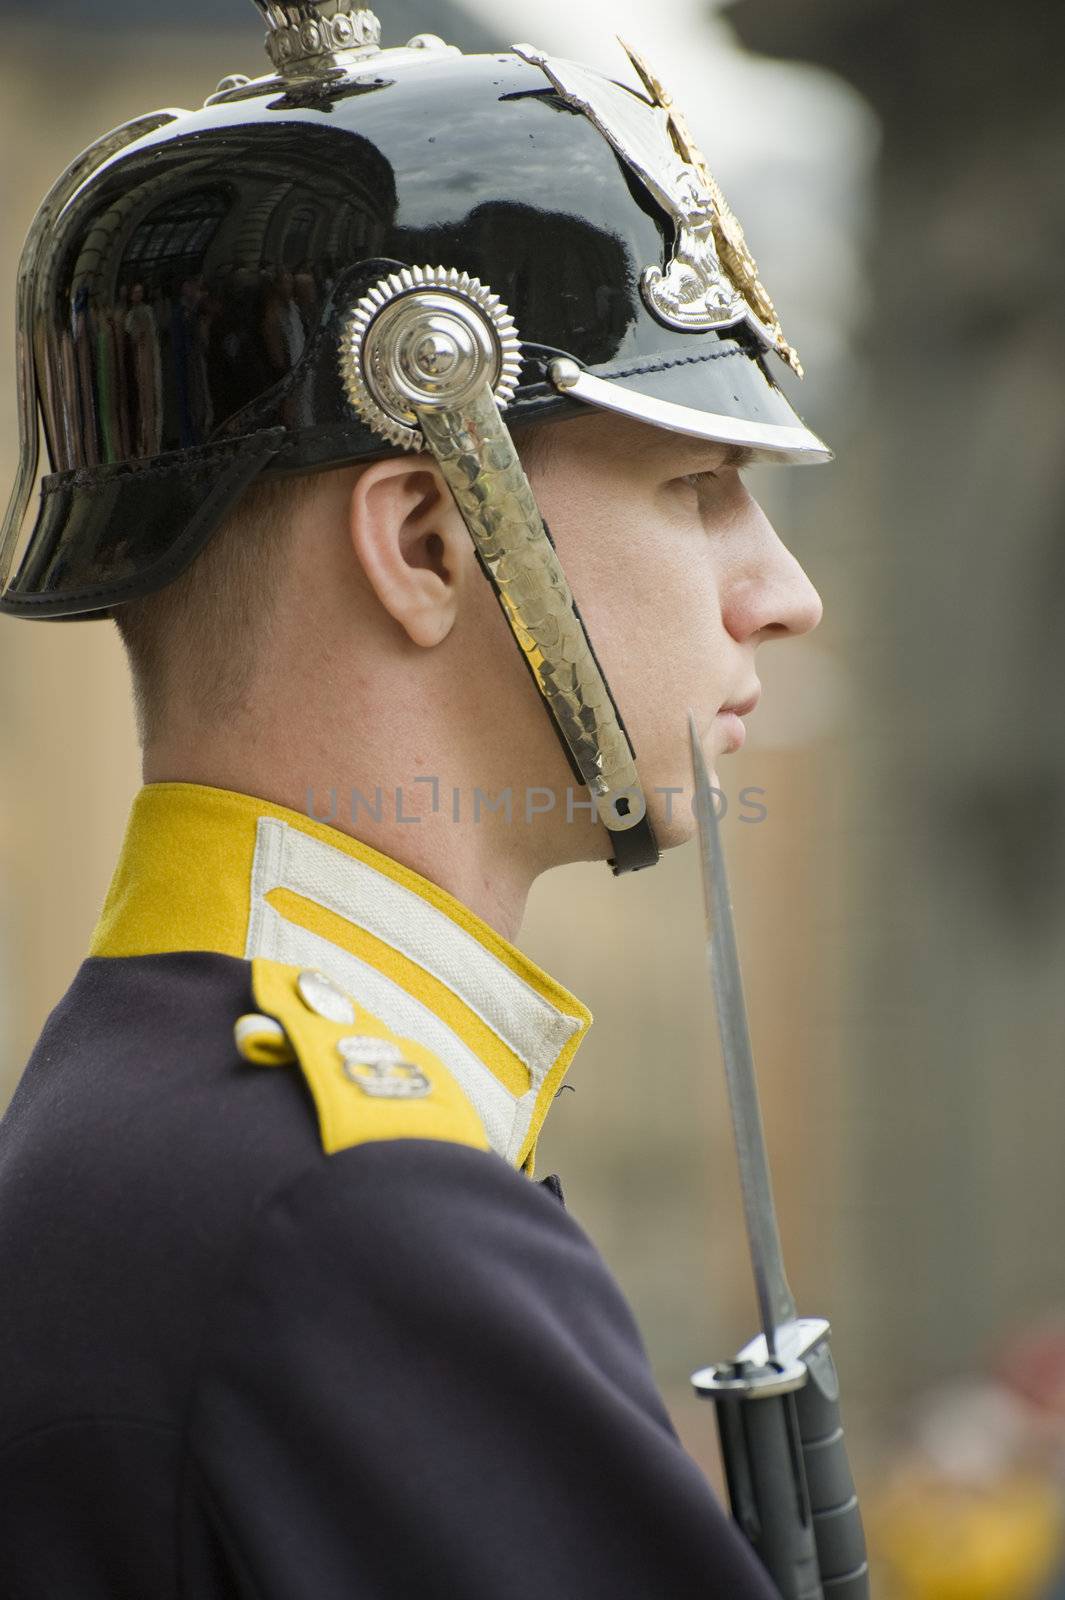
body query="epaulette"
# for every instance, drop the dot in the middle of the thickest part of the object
(367, 1083)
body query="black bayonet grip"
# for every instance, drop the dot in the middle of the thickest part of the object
(762, 1453)
(833, 1501)
(790, 1484)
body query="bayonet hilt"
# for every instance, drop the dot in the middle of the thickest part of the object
(786, 1466)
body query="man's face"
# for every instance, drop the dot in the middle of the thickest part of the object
(679, 577)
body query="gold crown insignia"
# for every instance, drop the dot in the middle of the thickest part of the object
(732, 247)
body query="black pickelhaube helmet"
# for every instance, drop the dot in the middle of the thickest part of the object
(373, 250)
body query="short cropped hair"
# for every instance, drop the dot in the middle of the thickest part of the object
(204, 633)
(207, 627)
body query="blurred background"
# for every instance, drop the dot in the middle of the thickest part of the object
(898, 168)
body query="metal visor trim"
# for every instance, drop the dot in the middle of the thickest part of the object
(768, 441)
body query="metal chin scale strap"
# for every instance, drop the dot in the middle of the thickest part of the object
(429, 359)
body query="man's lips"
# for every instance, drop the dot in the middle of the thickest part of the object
(731, 718)
(744, 707)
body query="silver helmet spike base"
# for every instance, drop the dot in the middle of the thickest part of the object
(311, 37)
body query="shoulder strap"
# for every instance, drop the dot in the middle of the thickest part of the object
(367, 1083)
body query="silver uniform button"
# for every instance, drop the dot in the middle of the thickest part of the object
(325, 998)
(376, 1066)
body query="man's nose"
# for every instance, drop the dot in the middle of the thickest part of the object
(770, 596)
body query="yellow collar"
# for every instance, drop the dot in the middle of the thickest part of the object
(206, 869)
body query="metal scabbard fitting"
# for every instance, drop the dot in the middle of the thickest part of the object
(429, 358)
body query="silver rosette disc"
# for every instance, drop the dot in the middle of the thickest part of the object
(426, 338)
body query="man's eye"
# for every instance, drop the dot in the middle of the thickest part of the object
(700, 481)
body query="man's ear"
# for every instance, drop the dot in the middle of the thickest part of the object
(412, 544)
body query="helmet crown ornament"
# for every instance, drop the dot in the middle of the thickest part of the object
(307, 37)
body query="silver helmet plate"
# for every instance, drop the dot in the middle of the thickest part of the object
(711, 282)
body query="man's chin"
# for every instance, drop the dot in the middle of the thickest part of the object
(672, 811)
(673, 822)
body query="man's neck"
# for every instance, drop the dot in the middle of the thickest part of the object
(437, 831)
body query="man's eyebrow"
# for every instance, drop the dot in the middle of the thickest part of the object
(672, 449)
(735, 455)
(739, 455)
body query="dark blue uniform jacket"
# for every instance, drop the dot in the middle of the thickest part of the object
(234, 1366)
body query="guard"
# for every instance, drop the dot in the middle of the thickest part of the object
(369, 364)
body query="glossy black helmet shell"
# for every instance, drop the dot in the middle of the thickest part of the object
(188, 300)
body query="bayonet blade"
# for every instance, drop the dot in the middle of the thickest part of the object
(775, 1300)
